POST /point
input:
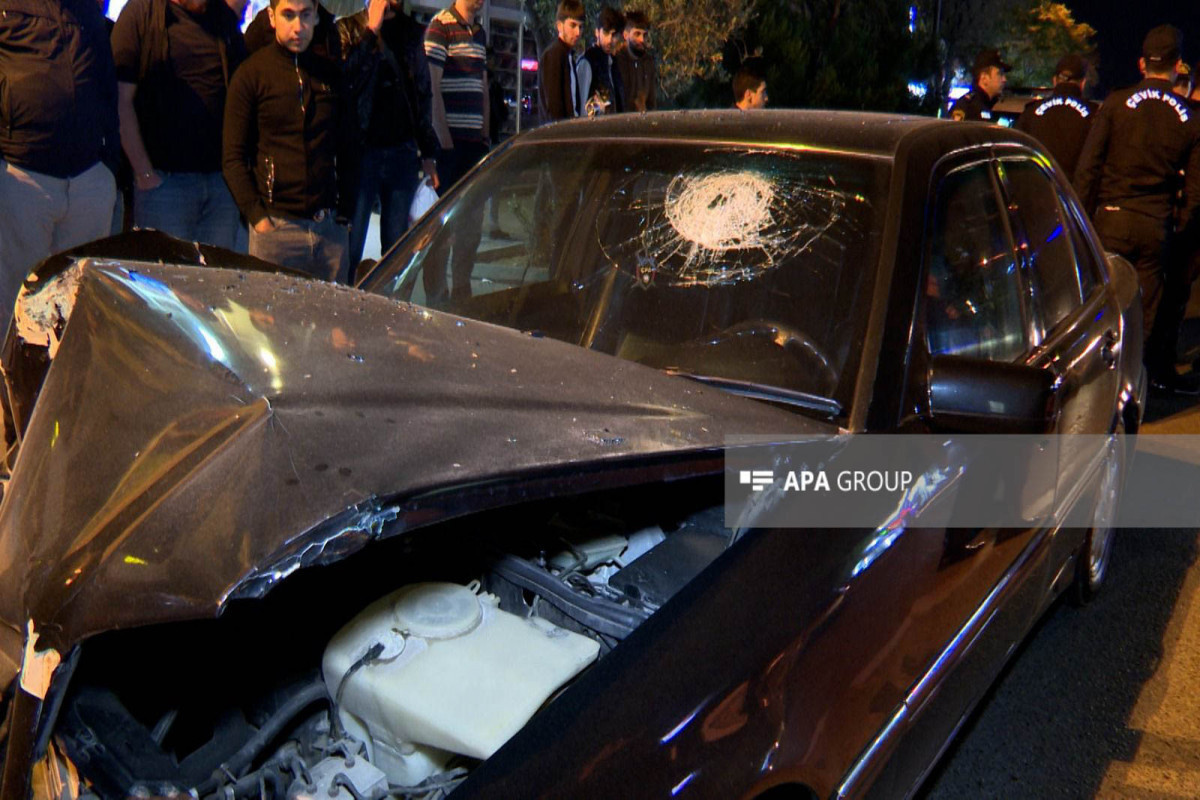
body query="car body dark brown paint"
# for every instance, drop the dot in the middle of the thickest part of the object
(785, 663)
(214, 465)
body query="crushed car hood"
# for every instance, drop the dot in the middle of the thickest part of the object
(201, 432)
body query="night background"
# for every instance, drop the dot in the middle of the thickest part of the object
(1120, 26)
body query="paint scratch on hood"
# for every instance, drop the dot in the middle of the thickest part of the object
(42, 311)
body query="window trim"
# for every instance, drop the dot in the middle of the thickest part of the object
(1070, 211)
(949, 165)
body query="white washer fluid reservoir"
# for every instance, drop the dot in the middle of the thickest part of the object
(456, 673)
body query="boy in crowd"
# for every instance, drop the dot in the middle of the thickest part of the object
(639, 73)
(749, 89)
(558, 87)
(597, 73)
(287, 149)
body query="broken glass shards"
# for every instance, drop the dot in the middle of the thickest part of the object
(727, 221)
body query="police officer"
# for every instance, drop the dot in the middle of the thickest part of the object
(1062, 120)
(1128, 177)
(989, 75)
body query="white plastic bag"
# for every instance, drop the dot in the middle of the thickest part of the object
(423, 199)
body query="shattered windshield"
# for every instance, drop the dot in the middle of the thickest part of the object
(717, 261)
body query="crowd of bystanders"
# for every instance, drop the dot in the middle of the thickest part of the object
(281, 141)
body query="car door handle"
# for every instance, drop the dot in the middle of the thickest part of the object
(1108, 349)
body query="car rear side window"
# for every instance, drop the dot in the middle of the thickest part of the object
(1044, 240)
(973, 289)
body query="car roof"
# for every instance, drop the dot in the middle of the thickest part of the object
(865, 133)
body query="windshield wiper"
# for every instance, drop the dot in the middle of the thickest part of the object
(762, 391)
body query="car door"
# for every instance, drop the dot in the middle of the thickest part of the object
(971, 606)
(976, 307)
(1075, 315)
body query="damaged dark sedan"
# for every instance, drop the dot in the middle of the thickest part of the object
(462, 529)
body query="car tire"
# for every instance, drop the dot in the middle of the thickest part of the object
(1095, 556)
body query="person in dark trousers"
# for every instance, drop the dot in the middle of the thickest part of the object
(558, 86)
(123, 206)
(749, 89)
(289, 149)
(989, 77)
(58, 134)
(456, 51)
(175, 59)
(497, 118)
(1061, 121)
(1128, 178)
(597, 73)
(639, 72)
(388, 82)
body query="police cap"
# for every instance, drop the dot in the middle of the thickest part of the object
(1162, 45)
(989, 58)
(1071, 68)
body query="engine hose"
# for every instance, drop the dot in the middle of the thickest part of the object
(270, 729)
(600, 615)
(335, 720)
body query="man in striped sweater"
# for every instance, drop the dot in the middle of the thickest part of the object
(456, 49)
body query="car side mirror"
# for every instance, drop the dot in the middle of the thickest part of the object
(972, 395)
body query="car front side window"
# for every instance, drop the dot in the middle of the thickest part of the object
(972, 287)
(1044, 241)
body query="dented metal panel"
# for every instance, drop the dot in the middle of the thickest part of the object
(202, 432)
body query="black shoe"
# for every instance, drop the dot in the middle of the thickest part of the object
(1174, 383)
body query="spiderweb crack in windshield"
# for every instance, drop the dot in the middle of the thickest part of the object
(716, 226)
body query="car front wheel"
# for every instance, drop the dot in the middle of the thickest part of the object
(1096, 554)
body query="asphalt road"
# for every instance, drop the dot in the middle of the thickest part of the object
(1101, 701)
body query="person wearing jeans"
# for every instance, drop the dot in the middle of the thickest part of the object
(289, 150)
(317, 246)
(391, 175)
(190, 205)
(175, 60)
(388, 83)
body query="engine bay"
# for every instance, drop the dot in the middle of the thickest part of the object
(391, 673)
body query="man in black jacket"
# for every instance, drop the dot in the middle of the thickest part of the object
(326, 41)
(58, 129)
(1062, 120)
(636, 61)
(288, 150)
(388, 83)
(1128, 178)
(599, 79)
(558, 87)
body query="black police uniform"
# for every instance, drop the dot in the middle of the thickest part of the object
(974, 105)
(1182, 272)
(1061, 122)
(1128, 177)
